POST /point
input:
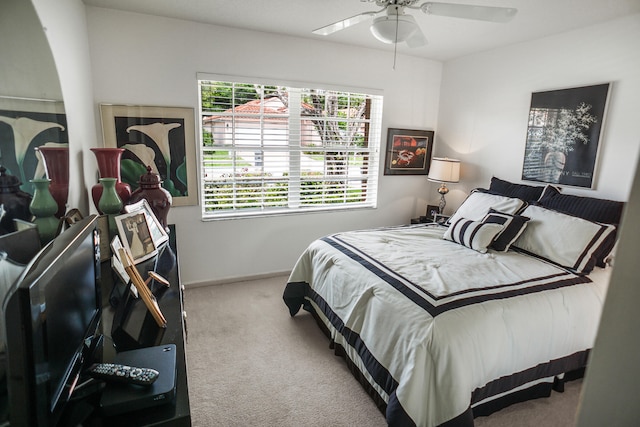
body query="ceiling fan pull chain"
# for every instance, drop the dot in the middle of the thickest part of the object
(395, 45)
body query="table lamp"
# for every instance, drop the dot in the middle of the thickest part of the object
(443, 170)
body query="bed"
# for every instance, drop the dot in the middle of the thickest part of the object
(442, 324)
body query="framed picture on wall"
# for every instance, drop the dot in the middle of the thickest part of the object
(563, 135)
(24, 125)
(408, 151)
(160, 137)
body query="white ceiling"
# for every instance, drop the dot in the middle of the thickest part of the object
(447, 37)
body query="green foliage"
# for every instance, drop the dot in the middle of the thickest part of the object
(256, 190)
(218, 96)
(207, 138)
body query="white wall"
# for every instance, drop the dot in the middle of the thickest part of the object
(485, 101)
(65, 25)
(145, 60)
(27, 68)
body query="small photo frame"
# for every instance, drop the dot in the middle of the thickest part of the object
(116, 263)
(441, 219)
(432, 211)
(133, 229)
(73, 216)
(408, 151)
(158, 232)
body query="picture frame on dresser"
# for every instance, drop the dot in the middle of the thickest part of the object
(133, 229)
(158, 232)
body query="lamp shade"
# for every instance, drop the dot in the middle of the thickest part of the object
(443, 169)
(384, 28)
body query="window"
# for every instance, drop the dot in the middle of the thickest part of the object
(273, 149)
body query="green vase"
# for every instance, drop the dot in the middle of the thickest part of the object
(110, 203)
(43, 206)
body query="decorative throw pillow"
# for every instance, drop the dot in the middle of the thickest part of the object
(589, 208)
(514, 225)
(477, 205)
(476, 235)
(511, 189)
(566, 240)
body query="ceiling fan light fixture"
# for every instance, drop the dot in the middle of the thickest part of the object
(384, 28)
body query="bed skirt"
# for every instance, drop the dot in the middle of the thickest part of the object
(565, 369)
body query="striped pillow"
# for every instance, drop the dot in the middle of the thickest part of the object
(513, 226)
(476, 235)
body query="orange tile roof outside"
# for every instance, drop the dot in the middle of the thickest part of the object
(253, 108)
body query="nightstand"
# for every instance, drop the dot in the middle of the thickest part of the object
(421, 220)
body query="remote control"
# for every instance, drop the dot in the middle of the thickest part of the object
(123, 373)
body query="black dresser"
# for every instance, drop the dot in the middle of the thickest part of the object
(127, 325)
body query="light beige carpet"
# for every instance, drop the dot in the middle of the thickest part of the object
(251, 364)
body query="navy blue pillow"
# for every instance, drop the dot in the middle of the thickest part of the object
(510, 189)
(589, 208)
(513, 226)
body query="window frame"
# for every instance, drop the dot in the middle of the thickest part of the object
(372, 152)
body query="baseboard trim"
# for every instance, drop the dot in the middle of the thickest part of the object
(236, 279)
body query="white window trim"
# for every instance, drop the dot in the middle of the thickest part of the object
(374, 160)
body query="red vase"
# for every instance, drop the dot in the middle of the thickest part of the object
(56, 164)
(158, 198)
(109, 167)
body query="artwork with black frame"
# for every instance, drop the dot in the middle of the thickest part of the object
(408, 151)
(160, 137)
(25, 124)
(563, 135)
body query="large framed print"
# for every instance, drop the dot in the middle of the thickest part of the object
(26, 124)
(563, 135)
(408, 151)
(160, 137)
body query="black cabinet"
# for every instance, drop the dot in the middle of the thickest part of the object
(127, 325)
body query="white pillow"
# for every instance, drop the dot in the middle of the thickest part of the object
(476, 235)
(563, 239)
(478, 204)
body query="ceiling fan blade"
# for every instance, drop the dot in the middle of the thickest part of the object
(467, 11)
(345, 23)
(417, 39)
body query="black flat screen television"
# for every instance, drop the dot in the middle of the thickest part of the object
(52, 318)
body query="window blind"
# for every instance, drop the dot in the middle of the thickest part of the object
(269, 149)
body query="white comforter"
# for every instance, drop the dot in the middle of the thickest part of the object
(441, 320)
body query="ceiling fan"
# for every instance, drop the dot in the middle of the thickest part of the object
(395, 26)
